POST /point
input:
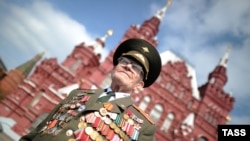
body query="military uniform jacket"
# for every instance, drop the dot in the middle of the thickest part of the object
(79, 117)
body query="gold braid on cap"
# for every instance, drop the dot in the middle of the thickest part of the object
(139, 57)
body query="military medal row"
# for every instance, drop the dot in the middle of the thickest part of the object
(64, 114)
(94, 126)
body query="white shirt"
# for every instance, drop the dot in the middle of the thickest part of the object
(117, 94)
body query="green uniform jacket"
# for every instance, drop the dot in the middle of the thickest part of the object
(54, 130)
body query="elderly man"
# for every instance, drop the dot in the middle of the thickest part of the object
(108, 114)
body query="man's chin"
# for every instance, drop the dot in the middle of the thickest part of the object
(121, 78)
(124, 74)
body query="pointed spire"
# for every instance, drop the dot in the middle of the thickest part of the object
(224, 59)
(188, 124)
(100, 42)
(28, 66)
(189, 120)
(109, 33)
(149, 29)
(160, 14)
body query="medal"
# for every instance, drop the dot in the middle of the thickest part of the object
(130, 130)
(82, 125)
(112, 125)
(85, 99)
(52, 123)
(94, 135)
(82, 118)
(96, 122)
(108, 106)
(103, 111)
(69, 132)
(62, 124)
(115, 138)
(117, 120)
(125, 116)
(107, 121)
(99, 138)
(81, 135)
(110, 135)
(72, 106)
(117, 130)
(124, 127)
(130, 121)
(97, 114)
(57, 132)
(81, 108)
(89, 130)
(135, 135)
(100, 125)
(112, 115)
(137, 126)
(105, 129)
(72, 112)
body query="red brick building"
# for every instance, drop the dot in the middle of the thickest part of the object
(181, 110)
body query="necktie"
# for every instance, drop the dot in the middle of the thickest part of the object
(106, 98)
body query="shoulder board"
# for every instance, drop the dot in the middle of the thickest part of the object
(144, 114)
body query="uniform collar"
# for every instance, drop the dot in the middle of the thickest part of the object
(117, 94)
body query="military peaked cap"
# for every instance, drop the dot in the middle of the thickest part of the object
(145, 54)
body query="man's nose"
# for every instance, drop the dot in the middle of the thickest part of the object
(130, 66)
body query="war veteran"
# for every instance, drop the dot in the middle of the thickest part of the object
(96, 115)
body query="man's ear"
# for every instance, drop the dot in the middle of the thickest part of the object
(141, 84)
(112, 72)
(139, 87)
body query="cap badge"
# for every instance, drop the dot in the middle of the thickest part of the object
(145, 49)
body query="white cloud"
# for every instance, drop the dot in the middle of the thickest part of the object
(229, 16)
(188, 27)
(40, 27)
(201, 32)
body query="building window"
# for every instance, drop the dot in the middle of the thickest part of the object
(167, 123)
(170, 87)
(202, 139)
(156, 112)
(76, 64)
(106, 82)
(206, 117)
(181, 95)
(190, 105)
(159, 79)
(144, 104)
(212, 80)
(36, 99)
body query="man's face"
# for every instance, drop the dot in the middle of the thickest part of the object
(128, 74)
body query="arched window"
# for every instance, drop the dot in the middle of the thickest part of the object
(202, 138)
(181, 95)
(190, 105)
(169, 86)
(144, 104)
(168, 121)
(156, 112)
(76, 64)
(106, 82)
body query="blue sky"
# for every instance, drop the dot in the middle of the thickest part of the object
(198, 30)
